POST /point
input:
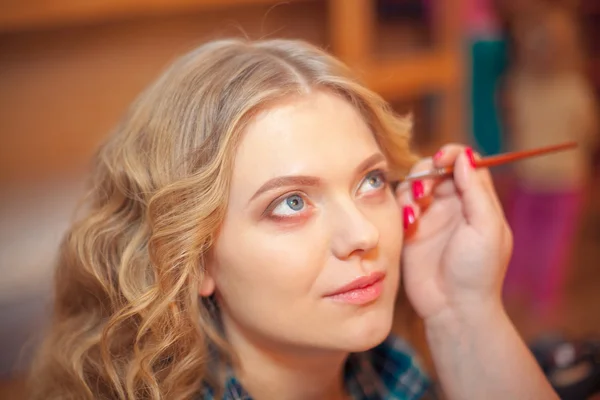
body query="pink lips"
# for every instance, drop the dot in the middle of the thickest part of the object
(360, 291)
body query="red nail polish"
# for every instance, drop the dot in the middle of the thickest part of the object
(438, 155)
(418, 189)
(408, 215)
(471, 156)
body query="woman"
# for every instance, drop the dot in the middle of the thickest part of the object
(242, 241)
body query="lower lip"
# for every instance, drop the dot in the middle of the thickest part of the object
(360, 296)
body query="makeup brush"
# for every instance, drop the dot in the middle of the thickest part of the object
(492, 161)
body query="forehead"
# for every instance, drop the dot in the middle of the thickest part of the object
(314, 134)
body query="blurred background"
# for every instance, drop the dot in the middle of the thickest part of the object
(498, 75)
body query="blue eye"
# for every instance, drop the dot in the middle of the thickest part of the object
(289, 206)
(373, 181)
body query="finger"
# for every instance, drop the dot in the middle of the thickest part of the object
(420, 190)
(410, 221)
(488, 182)
(411, 210)
(447, 156)
(478, 207)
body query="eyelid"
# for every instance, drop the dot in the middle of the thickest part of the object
(284, 196)
(381, 171)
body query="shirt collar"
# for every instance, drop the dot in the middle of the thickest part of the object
(389, 371)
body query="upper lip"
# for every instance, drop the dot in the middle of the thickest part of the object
(363, 281)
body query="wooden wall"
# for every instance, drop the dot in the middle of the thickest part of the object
(62, 89)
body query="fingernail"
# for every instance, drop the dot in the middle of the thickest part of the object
(408, 215)
(438, 155)
(418, 189)
(471, 156)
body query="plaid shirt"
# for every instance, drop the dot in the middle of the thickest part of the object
(389, 371)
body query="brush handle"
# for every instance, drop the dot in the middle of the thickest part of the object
(519, 155)
(493, 161)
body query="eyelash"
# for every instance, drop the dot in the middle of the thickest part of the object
(269, 211)
(382, 174)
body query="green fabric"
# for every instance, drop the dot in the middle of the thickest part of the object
(488, 62)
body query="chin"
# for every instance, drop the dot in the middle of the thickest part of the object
(366, 331)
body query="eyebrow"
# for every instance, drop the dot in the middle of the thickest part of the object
(303, 180)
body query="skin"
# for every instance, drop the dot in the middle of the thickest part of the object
(454, 263)
(266, 250)
(280, 252)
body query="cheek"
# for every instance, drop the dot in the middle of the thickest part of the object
(267, 261)
(391, 235)
(389, 224)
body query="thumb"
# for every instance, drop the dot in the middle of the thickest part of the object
(477, 206)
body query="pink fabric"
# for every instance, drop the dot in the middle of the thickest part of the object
(544, 227)
(481, 17)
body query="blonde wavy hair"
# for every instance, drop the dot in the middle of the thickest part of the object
(128, 322)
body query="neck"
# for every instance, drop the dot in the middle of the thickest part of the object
(269, 372)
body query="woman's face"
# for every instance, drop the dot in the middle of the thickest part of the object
(309, 213)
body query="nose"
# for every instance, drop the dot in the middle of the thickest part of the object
(354, 233)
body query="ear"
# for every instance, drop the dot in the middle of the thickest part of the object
(206, 286)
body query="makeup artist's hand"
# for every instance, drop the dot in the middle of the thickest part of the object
(457, 243)
(454, 259)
